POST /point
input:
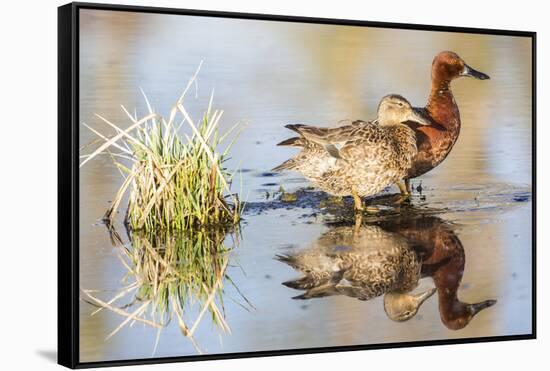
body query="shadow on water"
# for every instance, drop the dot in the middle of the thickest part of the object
(388, 255)
(427, 201)
(176, 276)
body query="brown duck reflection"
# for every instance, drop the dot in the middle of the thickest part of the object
(388, 258)
(444, 260)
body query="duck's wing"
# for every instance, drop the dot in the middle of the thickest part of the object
(332, 139)
(307, 282)
(361, 288)
(358, 292)
(317, 267)
(319, 288)
(329, 135)
(363, 284)
(321, 291)
(347, 122)
(370, 143)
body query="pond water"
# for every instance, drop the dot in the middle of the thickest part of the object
(473, 215)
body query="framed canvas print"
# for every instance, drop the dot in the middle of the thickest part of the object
(237, 185)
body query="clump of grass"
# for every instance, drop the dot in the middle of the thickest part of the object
(167, 275)
(176, 181)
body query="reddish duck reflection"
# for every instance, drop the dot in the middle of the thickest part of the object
(444, 260)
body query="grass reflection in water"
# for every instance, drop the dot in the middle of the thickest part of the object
(171, 276)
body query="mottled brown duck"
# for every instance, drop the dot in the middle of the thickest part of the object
(360, 159)
(361, 264)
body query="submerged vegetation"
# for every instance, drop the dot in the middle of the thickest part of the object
(175, 181)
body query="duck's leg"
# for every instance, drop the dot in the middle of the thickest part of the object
(405, 187)
(358, 204)
(358, 222)
(405, 194)
(401, 199)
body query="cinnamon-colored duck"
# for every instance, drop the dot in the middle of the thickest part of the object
(443, 259)
(434, 142)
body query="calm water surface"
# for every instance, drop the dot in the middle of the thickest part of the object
(267, 74)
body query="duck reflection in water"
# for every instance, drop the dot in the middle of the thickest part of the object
(362, 263)
(388, 258)
(444, 260)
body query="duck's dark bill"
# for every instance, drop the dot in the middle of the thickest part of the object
(469, 71)
(484, 304)
(418, 117)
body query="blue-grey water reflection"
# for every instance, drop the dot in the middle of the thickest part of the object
(267, 74)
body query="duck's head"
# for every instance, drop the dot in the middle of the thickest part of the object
(448, 65)
(460, 314)
(401, 307)
(394, 109)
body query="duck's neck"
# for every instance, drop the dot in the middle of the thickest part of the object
(449, 305)
(441, 104)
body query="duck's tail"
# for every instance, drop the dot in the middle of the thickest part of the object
(287, 165)
(288, 259)
(300, 141)
(295, 127)
(293, 142)
(298, 262)
(303, 283)
(308, 132)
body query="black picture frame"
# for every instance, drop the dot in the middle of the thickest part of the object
(68, 181)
